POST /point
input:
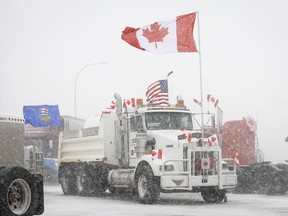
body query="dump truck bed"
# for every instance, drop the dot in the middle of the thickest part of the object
(81, 145)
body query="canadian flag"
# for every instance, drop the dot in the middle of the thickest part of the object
(237, 159)
(189, 137)
(251, 123)
(125, 104)
(212, 99)
(128, 102)
(197, 102)
(163, 37)
(156, 154)
(112, 105)
(213, 140)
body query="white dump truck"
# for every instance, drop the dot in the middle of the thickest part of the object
(21, 187)
(145, 150)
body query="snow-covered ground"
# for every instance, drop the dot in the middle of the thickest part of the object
(57, 204)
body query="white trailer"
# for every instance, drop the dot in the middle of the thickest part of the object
(21, 192)
(145, 151)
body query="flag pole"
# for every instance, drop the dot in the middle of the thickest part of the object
(200, 69)
(171, 72)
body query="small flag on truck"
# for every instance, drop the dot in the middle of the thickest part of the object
(157, 93)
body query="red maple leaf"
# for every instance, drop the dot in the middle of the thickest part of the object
(156, 34)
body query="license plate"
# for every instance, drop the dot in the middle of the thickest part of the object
(204, 179)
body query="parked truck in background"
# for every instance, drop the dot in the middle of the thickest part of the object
(254, 174)
(21, 186)
(144, 150)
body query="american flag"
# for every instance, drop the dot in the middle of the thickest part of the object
(157, 93)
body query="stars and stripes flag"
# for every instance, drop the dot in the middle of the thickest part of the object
(157, 93)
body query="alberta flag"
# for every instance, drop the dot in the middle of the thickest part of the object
(42, 115)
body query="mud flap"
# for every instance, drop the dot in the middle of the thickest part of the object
(39, 191)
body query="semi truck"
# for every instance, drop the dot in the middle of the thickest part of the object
(21, 186)
(145, 150)
(255, 175)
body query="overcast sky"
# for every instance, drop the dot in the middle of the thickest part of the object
(45, 43)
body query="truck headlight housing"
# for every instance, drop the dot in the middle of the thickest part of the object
(167, 168)
(224, 166)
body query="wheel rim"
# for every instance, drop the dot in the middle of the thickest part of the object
(19, 196)
(64, 185)
(80, 182)
(142, 186)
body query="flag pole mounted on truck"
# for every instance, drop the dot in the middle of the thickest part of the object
(169, 37)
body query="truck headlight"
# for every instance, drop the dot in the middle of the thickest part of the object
(224, 165)
(167, 168)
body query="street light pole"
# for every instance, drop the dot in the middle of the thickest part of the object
(88, 65)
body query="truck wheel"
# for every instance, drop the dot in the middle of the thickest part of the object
(213, 195)
(82, 181)
(67, 182)
(245, 181)
(17, 194)
(147, 186)
(268, 179)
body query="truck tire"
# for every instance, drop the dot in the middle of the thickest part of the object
(83, 181)
(245, 181)
(268, 179)
(213, 194)
(18, 195)
(68, 181)
(147, 185)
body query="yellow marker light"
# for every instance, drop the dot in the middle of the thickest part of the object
(139, 101)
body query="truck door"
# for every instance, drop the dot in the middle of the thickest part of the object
(137, 137)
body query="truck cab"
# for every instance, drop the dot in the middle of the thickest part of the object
(168, 141)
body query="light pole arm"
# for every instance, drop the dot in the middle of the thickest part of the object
(75, 83)
(171, 72)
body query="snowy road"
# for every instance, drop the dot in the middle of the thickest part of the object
(56, 204)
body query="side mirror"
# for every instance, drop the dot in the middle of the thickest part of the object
(151, 142)
(150, 145)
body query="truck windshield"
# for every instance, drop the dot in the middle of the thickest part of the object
(168, 121)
